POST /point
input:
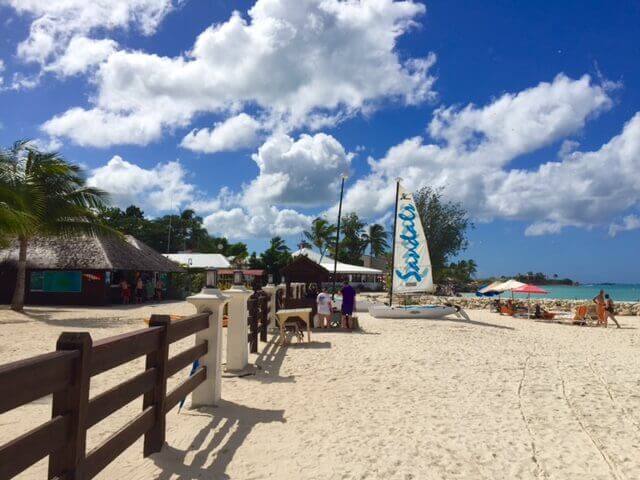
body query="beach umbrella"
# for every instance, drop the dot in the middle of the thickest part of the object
(502, 287)
(489, 289)
(529, 290)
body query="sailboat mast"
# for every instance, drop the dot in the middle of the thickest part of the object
(393, 248)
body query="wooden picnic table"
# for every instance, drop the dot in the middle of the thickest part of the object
(290, 315)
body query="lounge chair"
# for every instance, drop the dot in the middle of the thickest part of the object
(504, 310)
(585, 315)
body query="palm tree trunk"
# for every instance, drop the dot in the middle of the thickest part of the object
(17, 303)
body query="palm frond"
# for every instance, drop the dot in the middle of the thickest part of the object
(71, 227)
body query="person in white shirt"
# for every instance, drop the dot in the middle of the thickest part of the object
(324, 308)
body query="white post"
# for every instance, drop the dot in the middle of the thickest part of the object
(210, 300)
(237, 328)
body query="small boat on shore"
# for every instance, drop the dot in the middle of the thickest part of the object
(411, 265)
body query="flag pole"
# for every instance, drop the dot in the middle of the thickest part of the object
(335, 259)
(393, 248)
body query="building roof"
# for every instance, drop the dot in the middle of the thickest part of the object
(328, 263)
(199, 260)
(246, 271)
(86, 252)
(304, 269)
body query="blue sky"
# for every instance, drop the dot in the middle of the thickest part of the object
(523, 111)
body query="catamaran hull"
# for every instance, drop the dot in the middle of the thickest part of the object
(413, 311)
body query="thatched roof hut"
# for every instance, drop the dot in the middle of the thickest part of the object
(90, 253)
(83, 270)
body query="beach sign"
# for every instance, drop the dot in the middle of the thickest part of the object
(412, 264)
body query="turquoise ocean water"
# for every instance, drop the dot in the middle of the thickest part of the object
(619, 292)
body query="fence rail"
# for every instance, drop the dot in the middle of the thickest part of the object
(66, 373)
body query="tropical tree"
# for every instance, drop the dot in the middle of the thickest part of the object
(275, 257)
(171, 233)
(320, 235)
(255, 262)
(12, 221)
(445, 226)
(352, 241)
(50, 197)
(462, 271)
(376, 240)
(304, 244)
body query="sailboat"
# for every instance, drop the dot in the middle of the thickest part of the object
(411, 269)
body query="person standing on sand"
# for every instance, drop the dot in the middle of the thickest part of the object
(600, 307)
(348, 304)
(159, 288)
(324, 308)
(609, 310)
(125, 291)
(139, 290)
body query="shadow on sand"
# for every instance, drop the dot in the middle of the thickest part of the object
(360, 331)
(215, 445)
(309, 346)
(435, 322)
(99, 322)
(480, 324)
(270, 360)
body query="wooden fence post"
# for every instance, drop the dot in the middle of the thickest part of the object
(252, 305)
(264, 316)
(74, 402)
(154, 439)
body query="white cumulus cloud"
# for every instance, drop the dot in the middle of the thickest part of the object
(260, 222)
(54, 23)
(81, 54)
(477, 145)
(161, 188)
(630, 222)
(234, 133)
(299, 62)
(165, 187)
(303, 172)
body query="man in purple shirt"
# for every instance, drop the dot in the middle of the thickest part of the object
(348, 304)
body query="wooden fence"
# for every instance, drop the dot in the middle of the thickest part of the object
(258, 319)
(66, 373)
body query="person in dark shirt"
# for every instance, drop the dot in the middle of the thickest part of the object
(609, 310)
(348, 304)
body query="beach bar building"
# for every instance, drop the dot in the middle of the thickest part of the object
(204, 262)
(359, 276)
(84, 270)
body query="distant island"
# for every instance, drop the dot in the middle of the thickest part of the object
(530, 278)
(543, 279)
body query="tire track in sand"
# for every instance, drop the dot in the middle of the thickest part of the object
(578, 418)
(539, 472)
(627, 414)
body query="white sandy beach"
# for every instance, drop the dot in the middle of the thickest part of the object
(420, 399)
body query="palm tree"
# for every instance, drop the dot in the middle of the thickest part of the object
(320, 235)
(12, 221)
(376, 239)
(472, 269)
(42, 194)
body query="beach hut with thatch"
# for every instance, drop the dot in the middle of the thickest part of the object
(84, 270)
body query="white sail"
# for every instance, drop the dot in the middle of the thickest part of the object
(412, 264)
